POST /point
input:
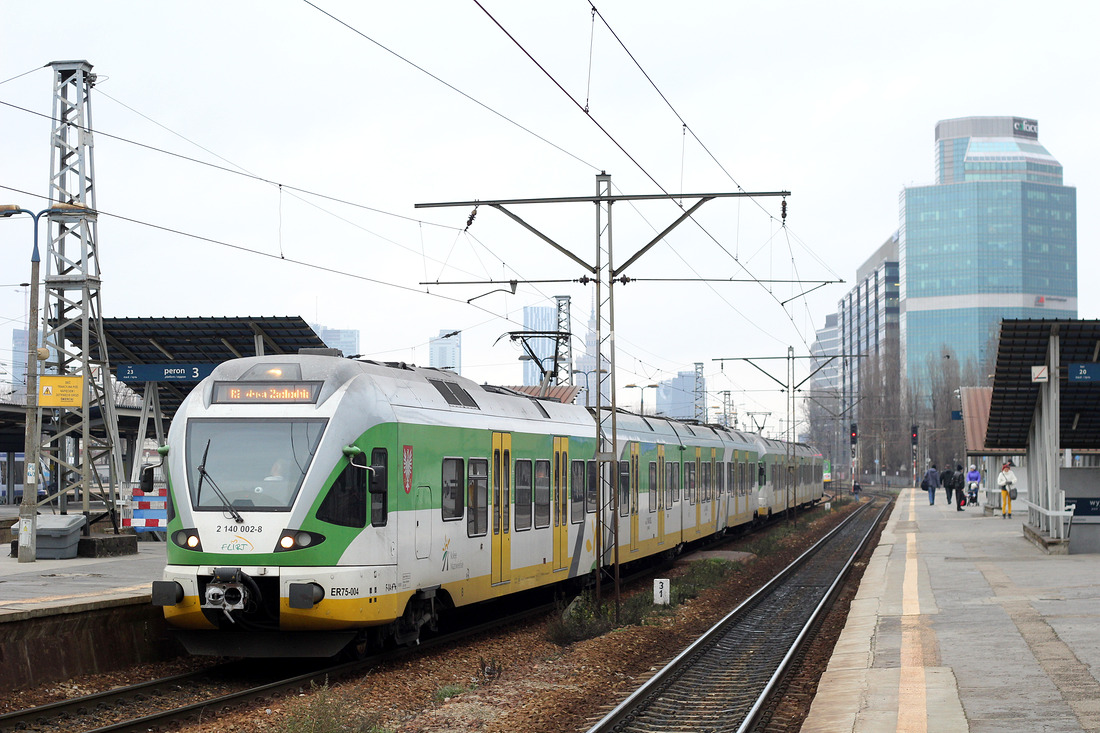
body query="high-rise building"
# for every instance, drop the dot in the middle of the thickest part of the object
(994, 237)
(587, 376)
(347, 340)
(539, 318)
(826, 379)
(445, 351)
(867, 325)
(677, 397)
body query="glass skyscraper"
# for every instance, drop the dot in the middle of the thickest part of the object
(995, 237)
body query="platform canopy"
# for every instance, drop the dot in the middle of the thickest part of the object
(210, 341)
(1024, 344)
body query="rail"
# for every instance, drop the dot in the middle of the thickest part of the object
(724, 680)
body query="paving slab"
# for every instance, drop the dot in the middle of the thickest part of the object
(961, 624)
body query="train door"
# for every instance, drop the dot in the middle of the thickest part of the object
(659, 486)
(423, 516)
(501, 507)
(696, 494)
(560, 499)
(635, 479)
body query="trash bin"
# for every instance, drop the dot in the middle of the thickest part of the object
(58, 536)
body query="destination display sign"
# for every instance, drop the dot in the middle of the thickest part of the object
(266, 392)
(1088, 372)
(172, 372)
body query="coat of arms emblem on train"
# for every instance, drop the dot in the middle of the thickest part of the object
(407, 467)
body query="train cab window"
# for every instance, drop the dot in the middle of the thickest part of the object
(592, 492)
(453, 471)
(624, 488)
(689, 481)
(477, 497)
(653, 488)
(542, 494)
(523, 495)
(576, 492)
(379, 479)
(345, 504)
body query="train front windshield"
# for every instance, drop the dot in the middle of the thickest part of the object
(253, 465)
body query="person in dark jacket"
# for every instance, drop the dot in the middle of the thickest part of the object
(959, 482)
(947, 480)
(932, 477)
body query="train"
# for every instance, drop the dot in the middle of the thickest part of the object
(320, 504)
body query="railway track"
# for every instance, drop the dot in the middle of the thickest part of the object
(157, 704)
(723, 681)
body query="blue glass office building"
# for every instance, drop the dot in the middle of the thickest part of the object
(995, 237)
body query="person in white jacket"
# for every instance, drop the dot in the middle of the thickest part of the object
(1006, 479)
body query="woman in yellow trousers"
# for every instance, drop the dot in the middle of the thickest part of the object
(1006, 479)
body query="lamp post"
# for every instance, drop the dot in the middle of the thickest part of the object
(28, 508)
(588, 390)
(643, 388)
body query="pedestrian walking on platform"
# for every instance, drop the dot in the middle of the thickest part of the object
(931, 482)
(1006, 479)
(958, 482)
(947, 480)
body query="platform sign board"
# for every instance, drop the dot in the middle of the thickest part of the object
(826, 470)
(57, 391)
(1086, 506)
(1089, 372)
(164, 372)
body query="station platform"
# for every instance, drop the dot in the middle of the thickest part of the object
(77, 584)
(961, 624)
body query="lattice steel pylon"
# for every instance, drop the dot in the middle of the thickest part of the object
(84, 435)
(700, 393)
(563, 357)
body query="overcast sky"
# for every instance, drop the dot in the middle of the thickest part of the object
(386, 105)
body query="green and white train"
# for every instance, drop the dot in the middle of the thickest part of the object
(317, 502)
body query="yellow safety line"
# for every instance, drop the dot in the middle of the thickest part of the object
(912, 692)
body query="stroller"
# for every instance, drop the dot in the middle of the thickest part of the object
(972, 493)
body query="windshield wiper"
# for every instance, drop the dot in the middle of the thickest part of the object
(203, 475)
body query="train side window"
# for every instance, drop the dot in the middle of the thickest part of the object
(591, 496)
(576, 492)
(453, 471)
(670, 473)
(706, 481)
(477, 497)
(542, 494)
(378, 486)
(523, 495)
(345, 504)
(762, 475)
(653, 488)
(674, 480)
(689, 481)
(624, 488)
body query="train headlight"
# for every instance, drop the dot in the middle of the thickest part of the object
(296, 539)
(188, 539)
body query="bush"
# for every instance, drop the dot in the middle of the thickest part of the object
(326, 711)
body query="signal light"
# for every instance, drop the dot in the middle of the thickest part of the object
(913, 430)
(855, 434)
